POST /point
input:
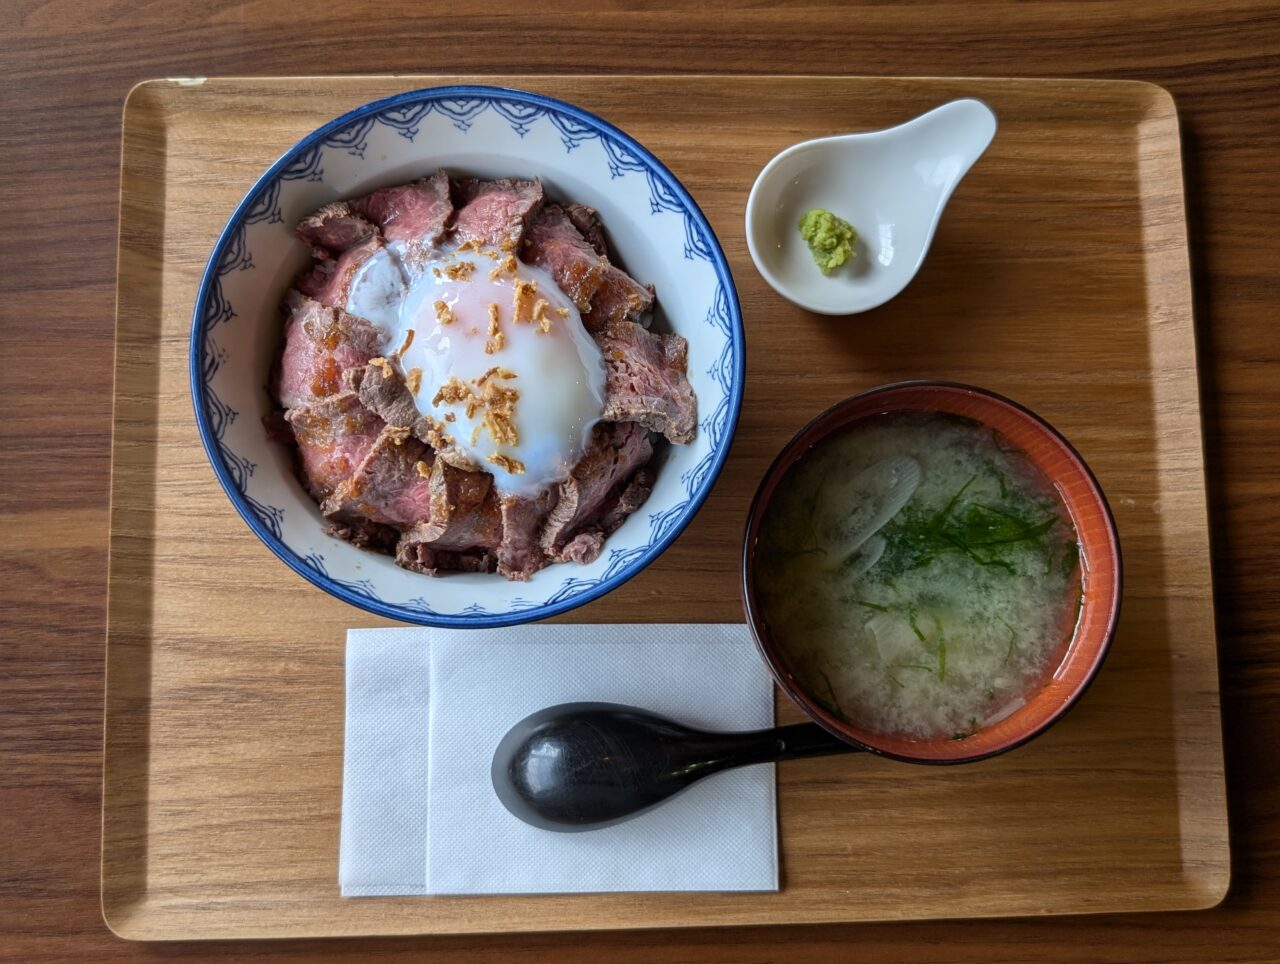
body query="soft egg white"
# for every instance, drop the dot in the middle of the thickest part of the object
(437, 316)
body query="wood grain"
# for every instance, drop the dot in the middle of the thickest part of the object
(224, 697)
(66, 66)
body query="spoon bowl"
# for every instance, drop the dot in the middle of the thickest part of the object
(891, 185)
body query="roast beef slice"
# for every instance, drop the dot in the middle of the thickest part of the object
(619, 298)
(382, 388)
(415, 212)
(587, 221)
(334, 229)
(364, 534)
(495, 212)
(423, 557)
(463, 529)
(585, 545)
(569, 243)
(320, 343)
(390, 486)
(329, 280)
(595, 486)
(334, 435)
(554, 244)
(646, 380)
(520, 554)
(464, 511)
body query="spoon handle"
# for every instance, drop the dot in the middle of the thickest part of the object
(809, 739)
(775, 745)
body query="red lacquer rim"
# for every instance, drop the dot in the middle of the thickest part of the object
(1099, 556)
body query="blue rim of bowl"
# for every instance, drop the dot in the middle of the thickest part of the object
(287, 555)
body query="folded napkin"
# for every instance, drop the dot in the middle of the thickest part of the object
(427, 707)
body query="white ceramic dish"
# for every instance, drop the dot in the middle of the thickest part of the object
(657, 231)
(891, 185)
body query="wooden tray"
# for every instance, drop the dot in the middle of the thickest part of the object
(1059, 276)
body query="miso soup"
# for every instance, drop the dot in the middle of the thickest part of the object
(920, 576)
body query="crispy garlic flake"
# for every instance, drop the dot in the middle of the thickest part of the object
(514, 466)
(496, 339)
(460, 270)
(488, 394)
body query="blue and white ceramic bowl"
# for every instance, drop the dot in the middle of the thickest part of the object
(658, 233)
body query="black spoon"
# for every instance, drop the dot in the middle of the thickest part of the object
(580, 766)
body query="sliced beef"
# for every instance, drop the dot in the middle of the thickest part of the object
(626, 500)
(583, 548)
(364, 534)
(590, 499)
(329, 281)
(553, 243)
(495, 212)
(389, 485)
(619, 298)
(334, 228)
(464, 527)
(415, 212)
(587, 221)
(569, 244)
(585, 545)
(334, 435)
(421, 557)
(646, 380)
(464, 511)
(520, 553)
(278, 428)
(320, 343)
(382, 388)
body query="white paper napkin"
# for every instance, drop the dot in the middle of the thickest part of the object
(427, 707)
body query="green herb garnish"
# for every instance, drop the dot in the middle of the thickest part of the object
(831, 691)
(985, 533)
(999, 476)
(1012, 638)
(911, 618)
(946, 509)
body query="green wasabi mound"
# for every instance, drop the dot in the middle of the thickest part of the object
(830, 238)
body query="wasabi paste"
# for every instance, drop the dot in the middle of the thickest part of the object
(830, 238)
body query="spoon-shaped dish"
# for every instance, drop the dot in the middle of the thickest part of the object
(891, 185)
(582, 766)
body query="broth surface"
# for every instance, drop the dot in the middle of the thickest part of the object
(919, 574)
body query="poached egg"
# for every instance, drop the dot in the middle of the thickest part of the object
(494, 353)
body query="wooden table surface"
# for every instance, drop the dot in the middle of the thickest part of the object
(65, 67)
